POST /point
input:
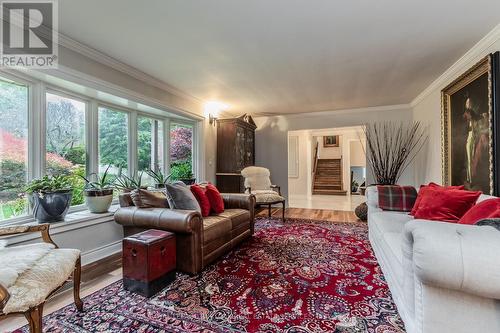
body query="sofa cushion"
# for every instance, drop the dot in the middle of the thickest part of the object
(180, 197)
(201, 196)
(149, 199)
(267, 196)
(215, 199)
(388, 221)
(215, 226)
(237, 216)
(486, 209)
(391, 245)
(396, 197)
(423, 189)
(445, 205)
(34, 285)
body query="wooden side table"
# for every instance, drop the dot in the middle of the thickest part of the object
(148, 261)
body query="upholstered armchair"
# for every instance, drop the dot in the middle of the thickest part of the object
(258, 183)
(30, 274)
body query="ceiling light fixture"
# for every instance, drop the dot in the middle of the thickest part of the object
(213, 109)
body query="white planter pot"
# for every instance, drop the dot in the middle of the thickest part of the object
(98, 203)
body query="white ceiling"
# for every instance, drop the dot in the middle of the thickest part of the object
(285, 56)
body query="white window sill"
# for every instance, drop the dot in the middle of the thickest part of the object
(74, 220)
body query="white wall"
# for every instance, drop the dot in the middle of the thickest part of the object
(300, 185)
(358, 156)
(427, 108)
(329, 152)
(272, 135)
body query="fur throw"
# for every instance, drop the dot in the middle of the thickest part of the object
(17, 259)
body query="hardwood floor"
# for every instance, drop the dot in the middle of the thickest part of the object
(313, 214)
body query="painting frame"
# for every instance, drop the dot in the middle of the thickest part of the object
(331, 141)
(488, 65)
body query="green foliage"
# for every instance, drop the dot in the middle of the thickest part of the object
(75, 155)
(77, 184)
(13, 175)
(144, 128)
(13, 208)
(126, 183)
(158, 176)
(48, 184)
(181, 170)
(113, 143)
(102, 182)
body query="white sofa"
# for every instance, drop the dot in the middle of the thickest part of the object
(444, 277)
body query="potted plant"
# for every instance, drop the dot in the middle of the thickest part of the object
(182, 172)
(50, 198)
(98, 194)
(126, 184)
(159, 178)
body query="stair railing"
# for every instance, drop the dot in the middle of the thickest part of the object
(315, 161)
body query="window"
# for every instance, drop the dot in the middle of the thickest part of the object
(181, 151)
(65, 141)
(149, 146)
(13, 148)
(82, 135)
(113, 141)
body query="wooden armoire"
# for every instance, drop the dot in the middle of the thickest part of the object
(235, 151)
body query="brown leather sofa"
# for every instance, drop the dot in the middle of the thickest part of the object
(199, 240)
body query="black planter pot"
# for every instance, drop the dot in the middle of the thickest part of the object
(50, 207)
(188, 181)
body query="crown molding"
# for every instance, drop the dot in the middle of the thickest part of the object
(473, 55)
(109, 61)
(338, 112)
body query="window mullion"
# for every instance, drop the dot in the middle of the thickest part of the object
(132, 143)
(37, 127)
(92, 131)
(166, 146)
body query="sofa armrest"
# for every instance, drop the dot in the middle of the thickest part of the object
(239, 200)
(455, 256)
(372, 197)
(173, 220)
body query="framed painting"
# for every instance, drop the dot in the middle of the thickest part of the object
(470, 125)
(331, 141)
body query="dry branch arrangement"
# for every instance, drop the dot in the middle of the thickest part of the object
(391, 147)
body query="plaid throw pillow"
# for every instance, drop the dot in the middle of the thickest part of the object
(396, 198)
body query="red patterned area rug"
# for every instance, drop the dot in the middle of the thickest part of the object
(295, 277)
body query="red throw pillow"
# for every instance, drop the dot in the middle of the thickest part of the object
(421, 193)
(447, 205)
(216, 201)
(201, 197)
(486, 209)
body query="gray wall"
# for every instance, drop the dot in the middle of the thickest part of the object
(272, 133)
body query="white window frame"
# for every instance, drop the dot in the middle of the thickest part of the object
(37, 90)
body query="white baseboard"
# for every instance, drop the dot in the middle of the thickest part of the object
(101, 252)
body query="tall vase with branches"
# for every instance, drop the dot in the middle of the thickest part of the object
(391, 147)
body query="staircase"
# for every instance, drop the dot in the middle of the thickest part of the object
(328, 177)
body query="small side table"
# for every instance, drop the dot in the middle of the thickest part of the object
(148, 261)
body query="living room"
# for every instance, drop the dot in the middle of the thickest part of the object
(158, 166)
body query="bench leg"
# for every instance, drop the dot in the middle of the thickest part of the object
(34, 317)
(283, 214)
(77, 276)
(269, 210)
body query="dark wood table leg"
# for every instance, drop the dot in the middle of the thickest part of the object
(269, 210)
(283, 214)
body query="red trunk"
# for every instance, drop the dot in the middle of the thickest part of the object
(148, 261)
